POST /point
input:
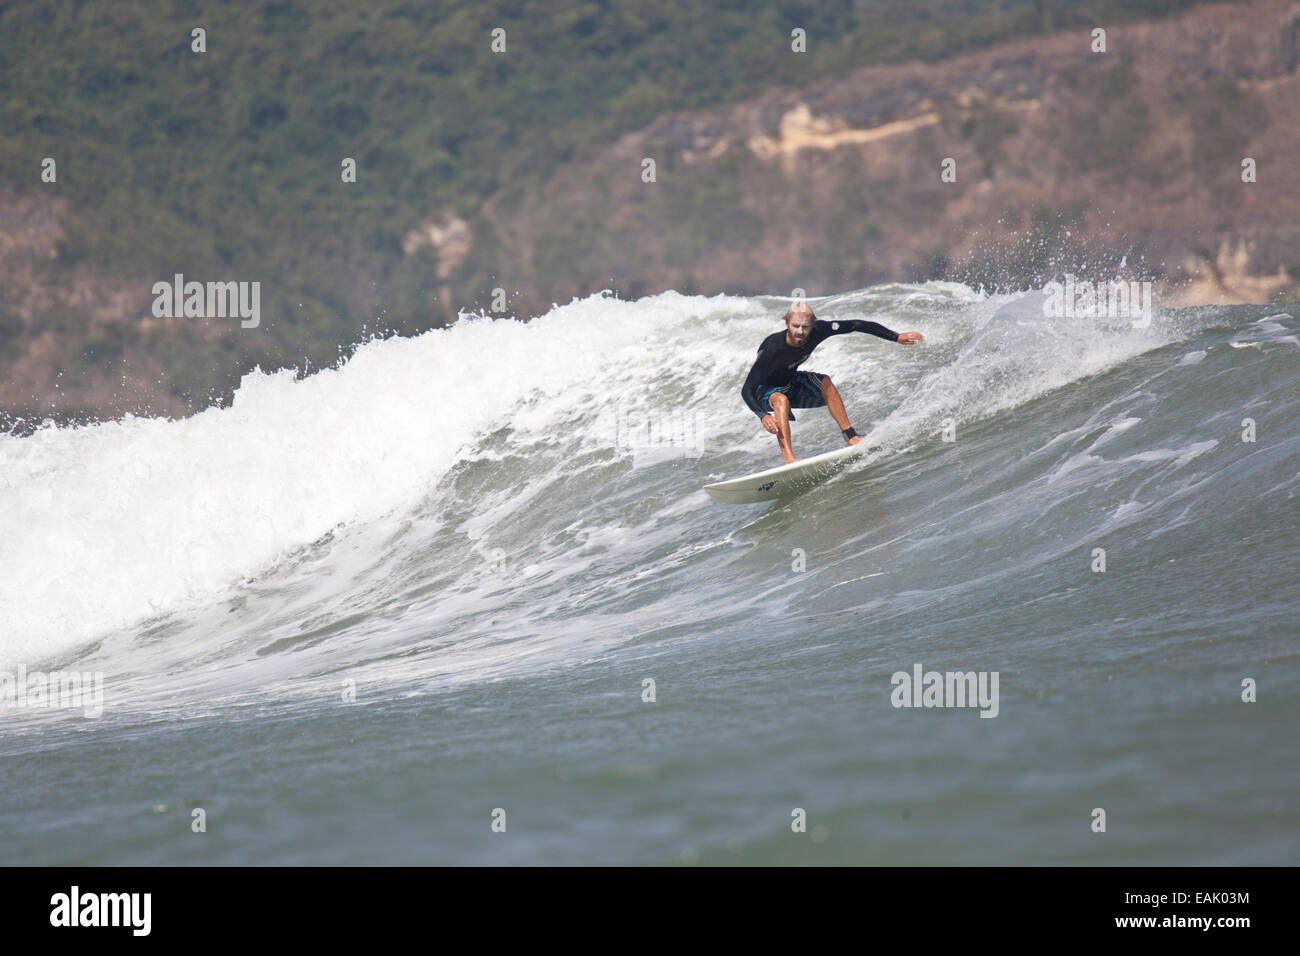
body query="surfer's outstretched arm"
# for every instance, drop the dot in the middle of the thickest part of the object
(845, 326)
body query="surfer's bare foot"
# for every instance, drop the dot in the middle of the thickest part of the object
(855, 439)
(791, 461)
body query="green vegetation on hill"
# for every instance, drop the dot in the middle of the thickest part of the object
(225, 165)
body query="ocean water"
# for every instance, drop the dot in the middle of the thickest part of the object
(461, 600)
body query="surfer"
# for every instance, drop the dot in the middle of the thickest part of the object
(773, 386)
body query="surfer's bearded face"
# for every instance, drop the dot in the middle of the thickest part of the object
(799, 326)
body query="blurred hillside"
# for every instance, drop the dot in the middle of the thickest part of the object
(522, 170)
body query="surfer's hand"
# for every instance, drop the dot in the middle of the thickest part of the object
(769, 422)
(909, 338)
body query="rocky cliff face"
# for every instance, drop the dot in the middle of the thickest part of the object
(73, 340)
(1063, 159)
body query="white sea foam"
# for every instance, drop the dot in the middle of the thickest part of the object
(105, 527)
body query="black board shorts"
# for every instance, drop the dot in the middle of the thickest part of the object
(804, 391)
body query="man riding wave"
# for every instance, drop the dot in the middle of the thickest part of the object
(773, 385)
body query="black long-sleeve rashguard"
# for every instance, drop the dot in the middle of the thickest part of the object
(777, 359)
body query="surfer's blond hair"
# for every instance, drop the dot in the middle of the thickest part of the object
(799, 308)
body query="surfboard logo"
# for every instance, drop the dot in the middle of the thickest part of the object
(767, 487)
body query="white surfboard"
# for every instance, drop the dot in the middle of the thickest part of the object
(785, 481)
